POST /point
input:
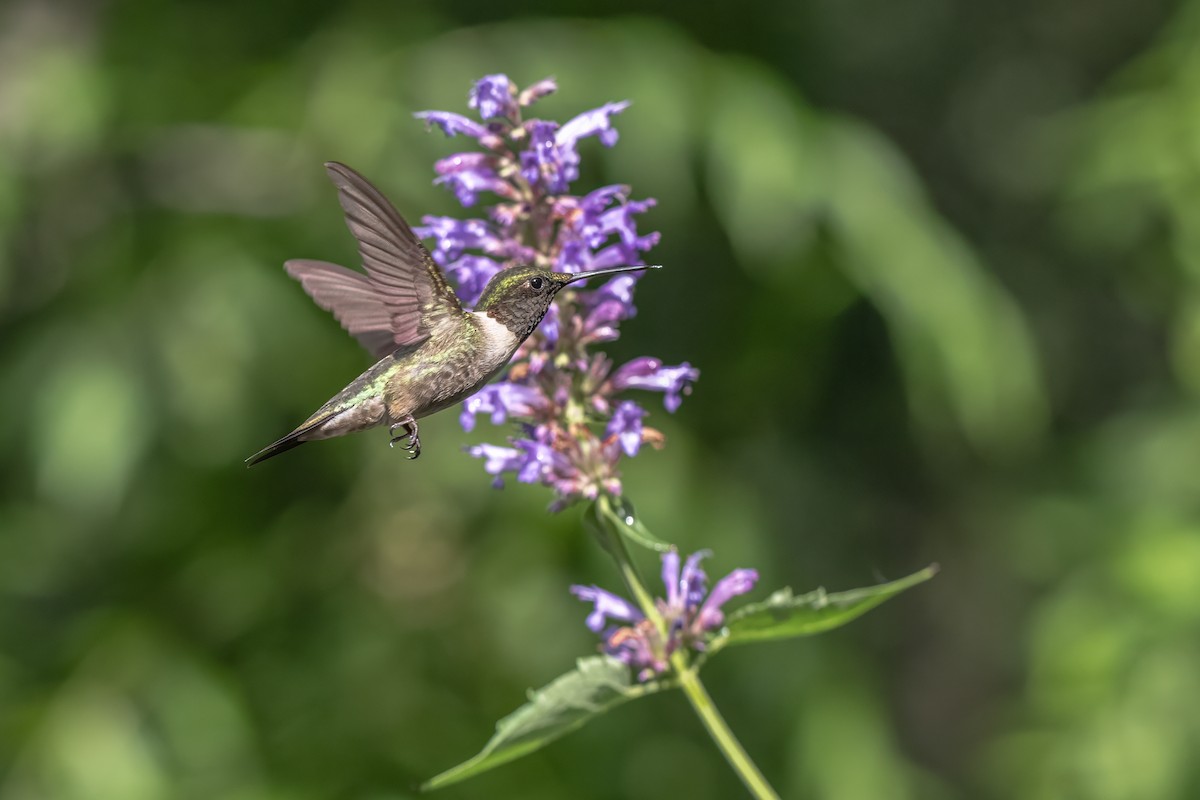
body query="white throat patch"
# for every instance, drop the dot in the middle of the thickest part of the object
(500, 342)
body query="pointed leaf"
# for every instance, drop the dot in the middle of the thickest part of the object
(617, 515)
(597, 684)
(784, 615)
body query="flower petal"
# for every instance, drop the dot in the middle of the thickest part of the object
(590, 123)
(453, 124)
(493, 96)
(605, 606)
(498, 459)
(670, 576)
(737, 582)
(472, 274)
(531, 94)
(649, 373)
(693, 581)
(467, 183)
(626, 425)
(542, 162)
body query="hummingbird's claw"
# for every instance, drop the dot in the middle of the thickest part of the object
(413, 443)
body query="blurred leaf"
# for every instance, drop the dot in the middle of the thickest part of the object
(593, 687)
(92, 421)
(783, 615)
(965, 346)
(139, 717)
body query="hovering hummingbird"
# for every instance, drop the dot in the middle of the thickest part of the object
(432, 354)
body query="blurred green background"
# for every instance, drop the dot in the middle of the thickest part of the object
(938, 262)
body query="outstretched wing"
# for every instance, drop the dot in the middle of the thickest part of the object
(410, 284)
(353, 300)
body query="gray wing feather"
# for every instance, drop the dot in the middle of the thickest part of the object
(409, 283)
(352, 298)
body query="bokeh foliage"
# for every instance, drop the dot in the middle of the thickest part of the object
(938, 268)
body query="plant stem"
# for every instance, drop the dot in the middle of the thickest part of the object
(718, 729)
(689, 679)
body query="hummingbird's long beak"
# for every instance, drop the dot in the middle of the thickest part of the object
(571, 277)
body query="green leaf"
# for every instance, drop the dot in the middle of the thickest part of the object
(617, 515)
(784, 615)
(597, 684)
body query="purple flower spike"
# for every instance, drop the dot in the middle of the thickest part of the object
(606, 605)
(687, 616)
(493, 96)
(574, 429)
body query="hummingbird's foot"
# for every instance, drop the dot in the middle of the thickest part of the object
(413, 445)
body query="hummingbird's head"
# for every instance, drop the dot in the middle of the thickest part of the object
(518, 297)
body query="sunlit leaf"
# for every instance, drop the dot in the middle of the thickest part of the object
(784, 615)
(593, 687)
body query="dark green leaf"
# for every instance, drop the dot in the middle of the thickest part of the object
(784, 615)
(596, 684)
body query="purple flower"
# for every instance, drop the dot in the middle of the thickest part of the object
(467, 183)
(600, 324)
(572, 429)
(626, 425)
(649, 373)
(593, 221)
(543, 464)
(454, 124)
(589, 123)
(737, 582)
(501, 400)
(460, 162)
(493, 96)
(687, 615)
(684, 591)
(606, 605)
(536, 92)
(472, 274)
(542, 162)
(498, 460)
(454, 236)
(619, 289)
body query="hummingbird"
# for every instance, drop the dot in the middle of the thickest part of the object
(432, 354)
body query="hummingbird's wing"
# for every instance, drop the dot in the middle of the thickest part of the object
(352, 299)
(403, 274)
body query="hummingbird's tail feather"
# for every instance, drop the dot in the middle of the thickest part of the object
(315, 427)
(275, 448)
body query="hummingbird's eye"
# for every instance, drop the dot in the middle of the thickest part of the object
(536, 283)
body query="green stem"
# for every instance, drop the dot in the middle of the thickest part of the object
(689, 679)
(718, 729)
